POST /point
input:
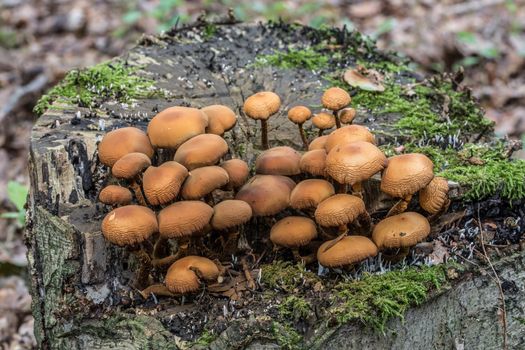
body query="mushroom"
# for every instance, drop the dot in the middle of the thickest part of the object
(401, 231)
(405, 175)
(352, 163)
(186, 275)
(162, 184)
(238, 172)
(307, 194)
(220, 119)
(294, 232)
(228, 216)
(323, 121)
(340, 210)
(203, 181)
(348, 134)
(433, 198)
(299, 115)
(201, 150)
(267, 194)
(335, 99)
(318, 143)
(115, 195)
(262, 106)
(130, 167)
(347, 115)
(281, 160)
(117, 143)
(130, 226)
(346, 252)
(314, 162)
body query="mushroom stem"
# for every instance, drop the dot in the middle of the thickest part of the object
(357, 189)
(320, 133)
(343, 230)
(303, 135)
(209, 199)
(166, 261)
(242, 242)
(157, 289)
(230, 244)
(341, 188)
(142, 276)
(310, 258)
(138, 193)
(400, 206)
(395, 256)
(337, 121)
(159, 248)
(366, 222)
(264, 134)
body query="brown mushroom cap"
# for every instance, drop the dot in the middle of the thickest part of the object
(354, 162)
(220, 119)
(282, 160)
(348, 134)
(130, 165)
(202, 181)
(130, 224)
(340, 209)
(314, 162)
(119, 142)
(267, 194)
(175, 125)
(230, 213)
(335, 98)
(318, 143)
(309, 193)
(299, 114)
(115, 195)
(237, 170)
(406, 174)
(181, 278)
(201, 150)
(262, 105)
(403, 230)
(184, 218)
(293, 232)
(347, 115)
(323, 121)
(349, 250)
(162, 184)
(434, 195)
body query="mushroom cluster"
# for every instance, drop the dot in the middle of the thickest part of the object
(180, 203)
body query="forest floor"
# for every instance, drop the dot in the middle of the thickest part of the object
(41, 40)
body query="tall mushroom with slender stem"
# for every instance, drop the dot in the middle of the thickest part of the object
(323, 121)
(335, 99)
(130, 167)
(262, 106)
(347, 115)
(299, 115)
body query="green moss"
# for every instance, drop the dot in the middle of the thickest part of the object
(109, 80)
(209, 31)
(286, 336)
(294, 58)
(285, 276)
(294, 308)
(205, 338)
(375, 299)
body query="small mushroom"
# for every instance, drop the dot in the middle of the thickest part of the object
(186, 275)
(433, 198)
(201, 150)
(346, 252)
(115, 195)
(299, 115)
(335, 99)
(130, 167)
(307, 194)
(348, 134)
(267, 194)
(405, 175)
(323, 121)
(162, 184)
(347, 115)
(203, 181)
(117, 143)
(281, 160)
(262, 106)
(238, 172)
(318, 143)
(228, 216)
(314, 162)
(294, 232)
(220, 119)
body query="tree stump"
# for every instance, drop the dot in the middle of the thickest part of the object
(82, 297)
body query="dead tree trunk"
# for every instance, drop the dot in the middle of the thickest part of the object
(80, 283)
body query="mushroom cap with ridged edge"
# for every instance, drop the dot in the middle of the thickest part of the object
(433, 196)
(318, 143)
(309, 193)
(262, 105)
(323, 121)
(348, 251)
(162, 184)
(402, 230)
(293, 232)
(175, 125)
(130, 224)
(183, 219)
(267, 194)
(238, 171)
(117, 143)
(354, 162)
(314, 162)
(348, 134)
(230, 213)
(406, 174)
(130, 165)
(339, 209)
(220, 119)
(181, 277)
(201, 150)
(202, 181)
(299, 114)
(347, 115)
(335, 98)
(115, 195)
(282, 160)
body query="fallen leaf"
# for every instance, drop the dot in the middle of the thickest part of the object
(368, 83)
